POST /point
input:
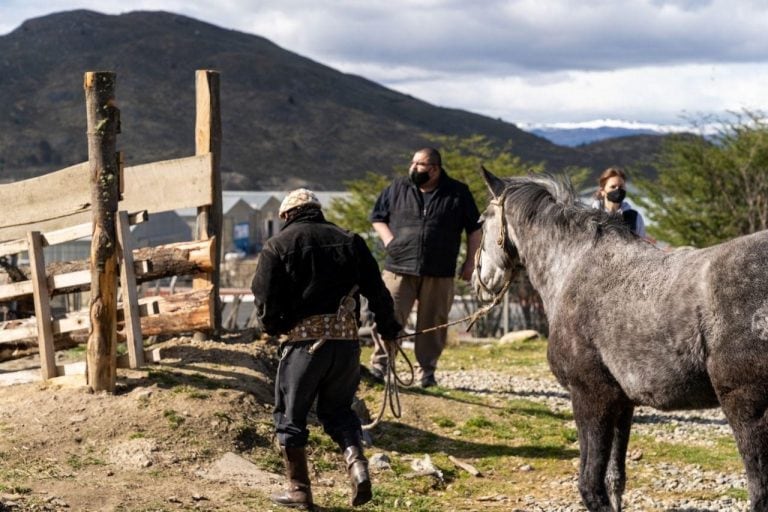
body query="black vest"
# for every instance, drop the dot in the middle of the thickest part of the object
(427, 237)
(630, 219)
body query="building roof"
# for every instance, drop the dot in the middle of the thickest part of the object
(258, 198)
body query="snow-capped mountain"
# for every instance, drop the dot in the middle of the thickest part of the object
(576, 134)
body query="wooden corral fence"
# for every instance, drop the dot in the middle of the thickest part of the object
(101, 199)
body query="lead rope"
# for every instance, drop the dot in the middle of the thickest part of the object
(391, 379)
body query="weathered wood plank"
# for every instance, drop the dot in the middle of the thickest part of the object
(133, 336)
(168, 185)
(51, 201)
(42, 307)
(61, 199)
(60, 236)
(208, 141)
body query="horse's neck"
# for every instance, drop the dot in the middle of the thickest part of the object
(550, 258)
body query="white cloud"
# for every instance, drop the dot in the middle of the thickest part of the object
(521, 60)
(666, 95)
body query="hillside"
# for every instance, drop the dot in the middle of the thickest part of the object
(286, 119)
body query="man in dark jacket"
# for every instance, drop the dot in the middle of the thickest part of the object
(420, 218)
(307, 285)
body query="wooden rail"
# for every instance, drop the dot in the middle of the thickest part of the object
(65, 205)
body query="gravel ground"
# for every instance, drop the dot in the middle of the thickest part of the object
(698, 427)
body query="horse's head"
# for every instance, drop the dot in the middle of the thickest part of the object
(497, 260)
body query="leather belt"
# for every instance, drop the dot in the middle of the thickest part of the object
(330, 327)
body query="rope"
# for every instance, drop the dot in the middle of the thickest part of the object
(391, 379)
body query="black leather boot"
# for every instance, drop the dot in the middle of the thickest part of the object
(299, 492)
(357, 467)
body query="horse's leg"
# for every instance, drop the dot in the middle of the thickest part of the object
(616, 476)
(596, 409)
(746, 408)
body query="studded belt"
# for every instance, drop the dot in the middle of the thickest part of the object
(332, 327)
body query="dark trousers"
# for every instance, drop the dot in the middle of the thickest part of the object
(331, 374)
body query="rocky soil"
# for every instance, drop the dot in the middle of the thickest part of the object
(194, 432)
(697, 427)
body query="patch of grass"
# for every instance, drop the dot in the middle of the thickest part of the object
(445, 422)
(76, 461)
(318, 440)
(248, 437)
(528, 356)
(739, 494)
(478, 422)
(15, 489)
(75, 352)
(174, 419)
(164, 378)
(191, 391)
(270, 460)
(204, 381)
(137, 435)
(389, 497)
(722, 456)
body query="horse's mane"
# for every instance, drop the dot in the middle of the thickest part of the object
(542, 199)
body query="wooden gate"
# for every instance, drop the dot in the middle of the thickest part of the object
(62, 206)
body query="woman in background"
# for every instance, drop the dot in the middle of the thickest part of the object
(610, 196)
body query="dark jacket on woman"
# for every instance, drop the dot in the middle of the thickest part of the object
(427, 227)
(308, 268)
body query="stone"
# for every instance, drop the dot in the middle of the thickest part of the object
(519, 336)
(236, 470)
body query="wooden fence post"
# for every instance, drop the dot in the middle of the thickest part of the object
(42, 306)
(208, 140)
(133, 337)
(103, 120)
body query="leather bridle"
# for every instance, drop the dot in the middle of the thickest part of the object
(502, 241)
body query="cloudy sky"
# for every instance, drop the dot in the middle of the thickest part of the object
(525, 61)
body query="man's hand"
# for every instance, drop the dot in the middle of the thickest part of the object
(466, 270)
(390, 345)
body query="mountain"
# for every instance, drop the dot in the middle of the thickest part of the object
(287, 120)
(578, 136)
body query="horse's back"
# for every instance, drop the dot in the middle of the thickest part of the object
(668, 320)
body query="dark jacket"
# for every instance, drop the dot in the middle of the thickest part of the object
(307, 269)
(427, 236)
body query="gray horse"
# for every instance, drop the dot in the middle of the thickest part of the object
(633, 325)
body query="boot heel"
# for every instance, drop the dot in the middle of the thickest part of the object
(362, 493)
(361, 483)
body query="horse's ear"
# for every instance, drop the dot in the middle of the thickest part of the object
(495, 185)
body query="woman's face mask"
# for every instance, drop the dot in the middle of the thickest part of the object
(616, 195)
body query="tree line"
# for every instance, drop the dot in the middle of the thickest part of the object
(710, 187)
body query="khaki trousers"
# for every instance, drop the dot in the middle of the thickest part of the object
(434, 296)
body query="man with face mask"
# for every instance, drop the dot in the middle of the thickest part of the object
(611, 191)
(420, 219)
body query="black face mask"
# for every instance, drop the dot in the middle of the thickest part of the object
(418, 178)
(616, 195)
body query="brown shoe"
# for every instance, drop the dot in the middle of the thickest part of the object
(357, 467)
(299, 491)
